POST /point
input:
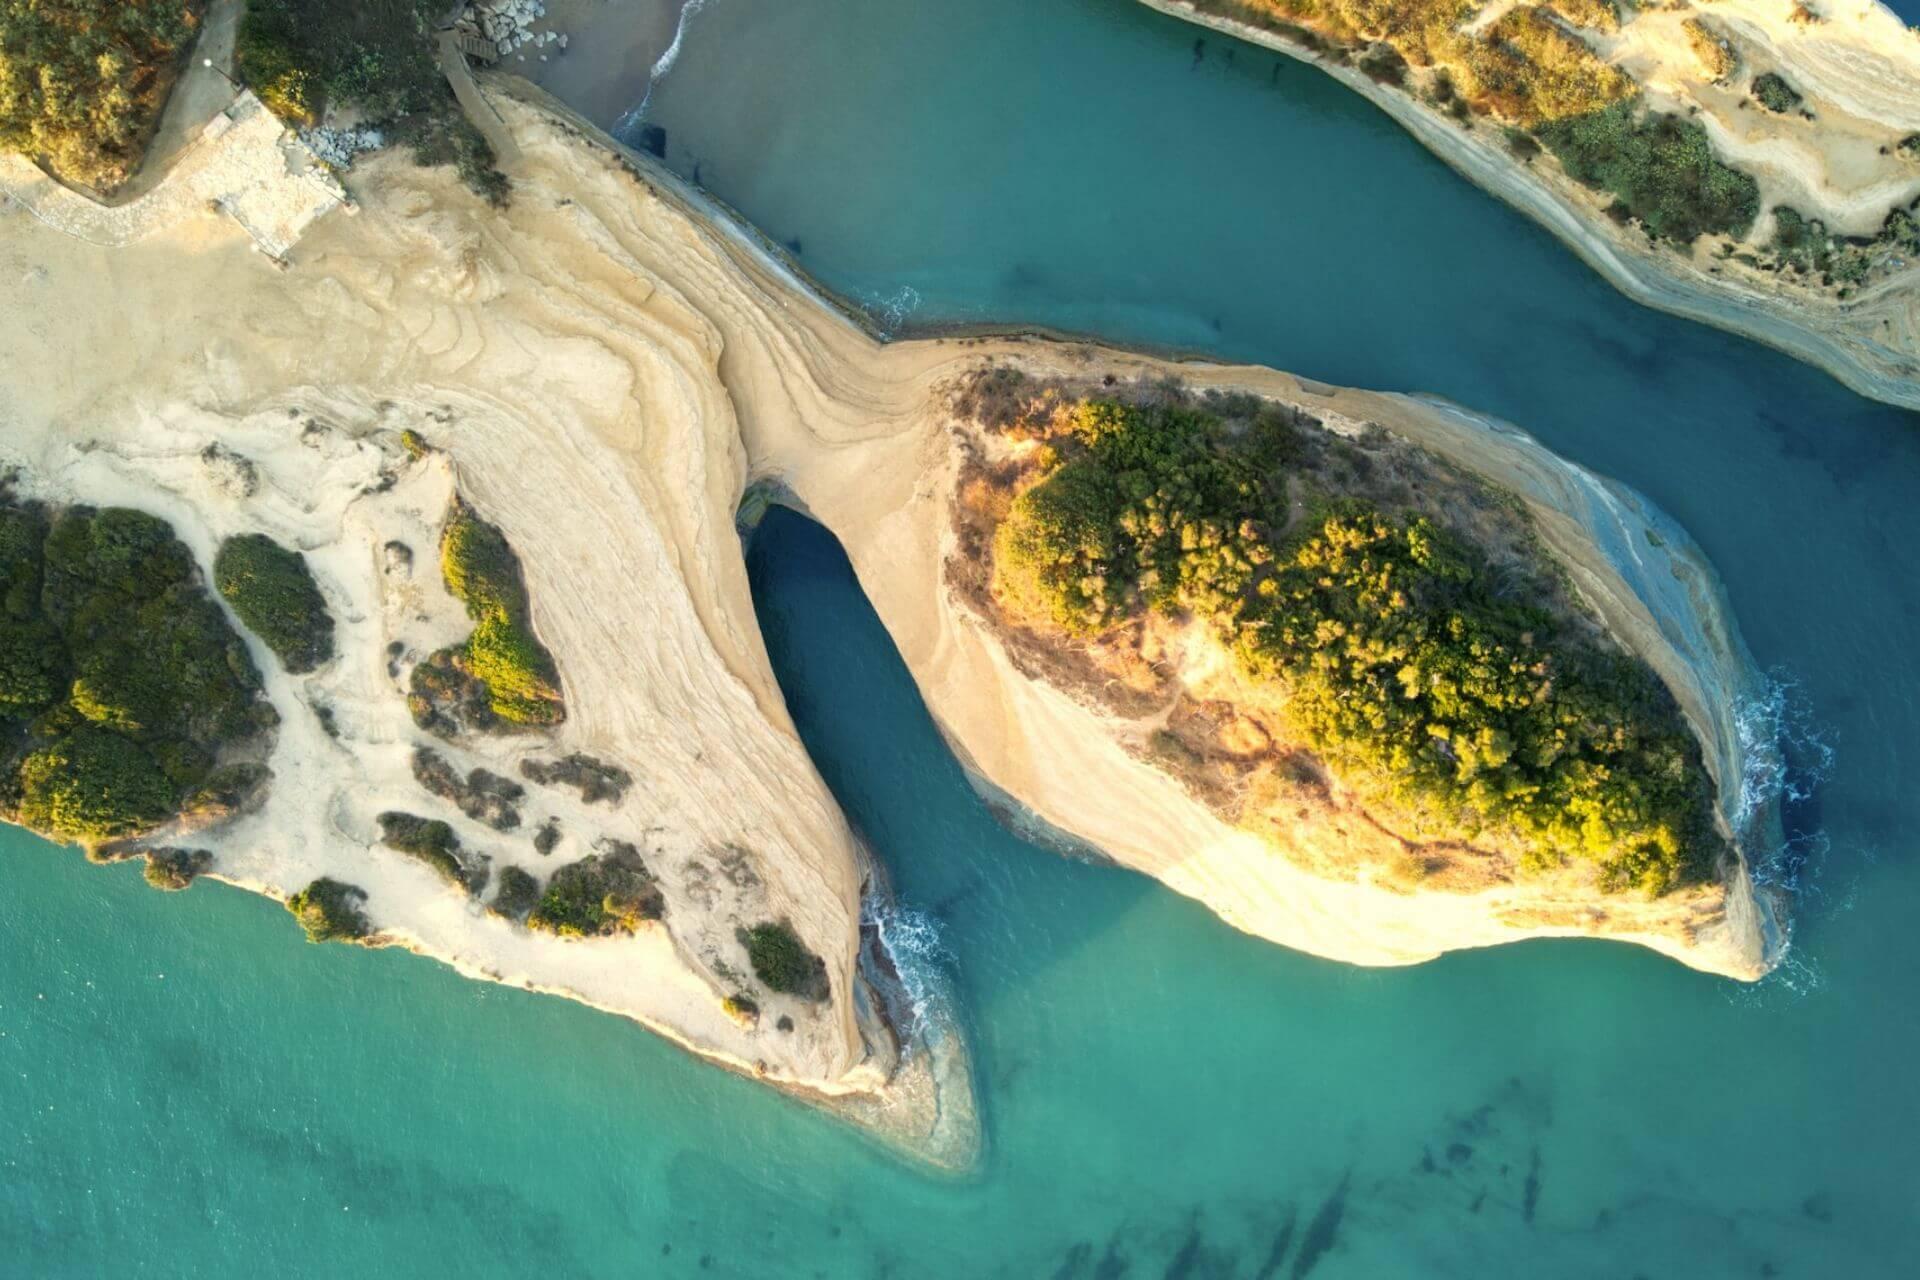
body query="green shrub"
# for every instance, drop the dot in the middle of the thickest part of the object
(602, 895)
(173, 870)
(426, 840)
(330, 911)
(518, 894)
(273, 592)
(123, 680)
(482, 573)
(1775, 94)
(782, 961)
(1662, 169)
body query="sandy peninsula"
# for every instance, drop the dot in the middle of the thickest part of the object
(603, 370)
(1844, 156)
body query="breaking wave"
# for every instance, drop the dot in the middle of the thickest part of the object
(661, 65)
(920, 955)
(890, 311)
(1786, 757)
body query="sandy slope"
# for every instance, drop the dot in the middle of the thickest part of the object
(1860, 74)
(606, 371)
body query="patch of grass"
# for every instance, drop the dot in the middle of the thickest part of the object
(273, 592)
(1715, 52)
(781, 960)
(1523, 69)
(330, 911)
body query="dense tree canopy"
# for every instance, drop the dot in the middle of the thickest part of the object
(1404, 670)
(82, 81)
(120, 680)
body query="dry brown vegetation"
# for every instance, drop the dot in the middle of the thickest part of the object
(1528, 68)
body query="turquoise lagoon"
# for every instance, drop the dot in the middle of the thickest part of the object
(188, 1090)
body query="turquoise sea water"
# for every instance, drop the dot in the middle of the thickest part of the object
(187, 1090)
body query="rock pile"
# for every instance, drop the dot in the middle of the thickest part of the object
(510, 25)
(338, 147)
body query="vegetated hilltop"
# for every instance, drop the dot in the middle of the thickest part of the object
(1331, 623)
(82, 82)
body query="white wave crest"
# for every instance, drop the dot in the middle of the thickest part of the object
(661, 65)
(890, 311)
(919, 954)
(1785, 758)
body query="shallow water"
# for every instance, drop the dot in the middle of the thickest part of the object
(187, 1089)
